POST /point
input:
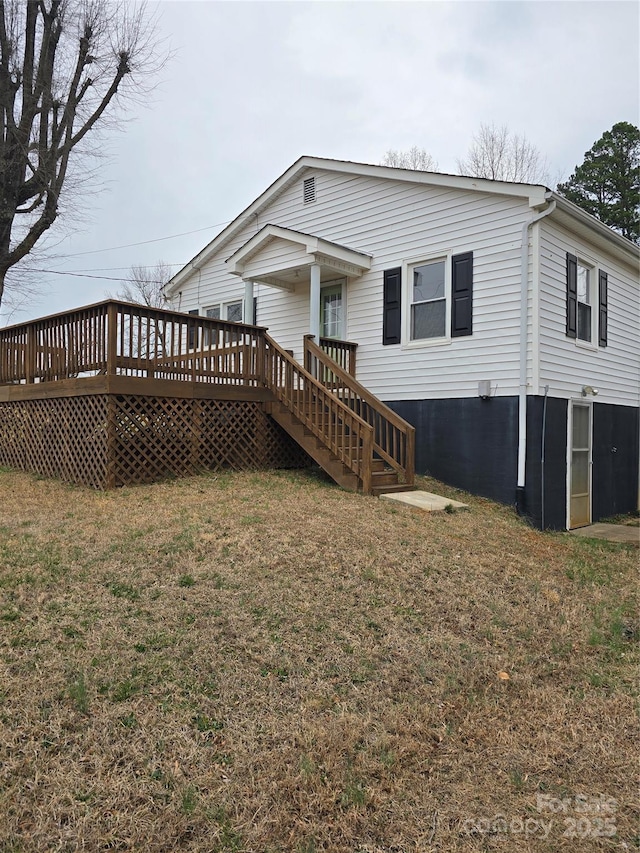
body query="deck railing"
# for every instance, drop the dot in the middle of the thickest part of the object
(119, 338)
(337, 426)
(116, 338)
(344, 352)
(393, 437)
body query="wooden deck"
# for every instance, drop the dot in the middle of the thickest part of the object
(116, 393)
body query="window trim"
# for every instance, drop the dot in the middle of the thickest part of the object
(407, 299)
(590, 264)
(592, 269)
(223, 306)
(334, 285)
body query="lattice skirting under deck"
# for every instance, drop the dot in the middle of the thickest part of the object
(114, 440)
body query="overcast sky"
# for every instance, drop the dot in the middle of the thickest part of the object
(252, 86)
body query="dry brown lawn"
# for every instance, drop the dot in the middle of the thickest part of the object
(262, 662)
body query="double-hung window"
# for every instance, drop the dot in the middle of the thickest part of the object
(428, 300)
(583, 288)
(587, 302)
(230, 311)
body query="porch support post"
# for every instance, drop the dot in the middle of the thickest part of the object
(248, 303)
(314, 303)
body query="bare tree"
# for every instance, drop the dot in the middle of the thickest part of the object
(500, 155)
(64, 66)
(413, 158)
(146, 285)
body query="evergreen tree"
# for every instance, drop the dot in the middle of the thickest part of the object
(607, 184)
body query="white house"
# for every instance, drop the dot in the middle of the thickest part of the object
(498, 318)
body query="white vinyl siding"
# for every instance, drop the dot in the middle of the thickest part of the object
(393, 222)
(275, 256)
(566, 364)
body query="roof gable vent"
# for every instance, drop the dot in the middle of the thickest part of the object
(309, 190)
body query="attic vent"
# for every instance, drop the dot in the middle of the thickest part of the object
(309, 190)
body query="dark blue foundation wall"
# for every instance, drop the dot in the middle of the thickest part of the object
(468, 443)
(614, 483)
(552, 513)
(473, 444)
(615, 460)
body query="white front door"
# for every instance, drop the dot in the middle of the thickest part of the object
(580, 465)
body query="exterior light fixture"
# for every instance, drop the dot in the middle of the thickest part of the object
(589, 390)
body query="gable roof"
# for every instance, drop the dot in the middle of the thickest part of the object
(311, 249)
(536, 195)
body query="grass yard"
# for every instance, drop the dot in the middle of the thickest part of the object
(262, 662)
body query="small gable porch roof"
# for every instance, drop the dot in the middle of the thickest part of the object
(282, 257)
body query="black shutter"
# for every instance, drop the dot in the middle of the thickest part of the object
(603, 281)
(461, 295)
(192, 329)
(572, 295)
(255, 310)
(391, 303)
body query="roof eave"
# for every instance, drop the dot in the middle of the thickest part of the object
(536, 196)
(604, 231)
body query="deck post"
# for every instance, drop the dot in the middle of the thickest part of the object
(111, 441)
(308, 358)
(261, 358)
(112, 338)
(30, 355)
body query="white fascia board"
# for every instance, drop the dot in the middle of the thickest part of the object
(235, 225)
(339, 253)
(535, 195)
(313, 246)
(272, 281)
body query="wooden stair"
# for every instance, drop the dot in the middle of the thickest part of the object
(383, 478)
(320, 454)
(362, 444)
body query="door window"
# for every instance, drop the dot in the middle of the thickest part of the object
(580, 476)
(331, 312)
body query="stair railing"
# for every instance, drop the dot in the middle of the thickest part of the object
(393, 437)
(344, 352)
(335, 424)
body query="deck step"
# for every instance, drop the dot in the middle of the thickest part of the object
(314, 447)
(377, 490)
(384, 480)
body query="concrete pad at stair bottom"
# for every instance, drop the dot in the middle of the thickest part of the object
(422, 500)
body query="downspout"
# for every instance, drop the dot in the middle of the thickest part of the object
(543, 453)
(522, 390)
